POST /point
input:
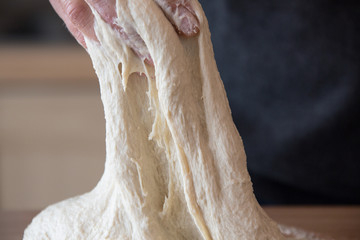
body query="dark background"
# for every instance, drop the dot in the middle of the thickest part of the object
(291, 71)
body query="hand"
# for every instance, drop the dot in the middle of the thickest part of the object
(79, 20)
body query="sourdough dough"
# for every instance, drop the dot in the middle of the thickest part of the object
(175, 163)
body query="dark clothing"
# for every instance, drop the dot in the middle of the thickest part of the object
(291, 70)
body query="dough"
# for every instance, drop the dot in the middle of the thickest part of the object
(175, 163)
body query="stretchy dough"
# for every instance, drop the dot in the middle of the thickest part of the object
(175, 163)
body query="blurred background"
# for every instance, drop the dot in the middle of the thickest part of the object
(51, 115)
(290, 68)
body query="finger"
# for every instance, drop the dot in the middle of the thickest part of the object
(77, 35)
(76, 14)
(138, 45)
(70, 26)
(181, 14)
(106, 9)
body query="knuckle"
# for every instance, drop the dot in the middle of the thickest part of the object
(78, 13)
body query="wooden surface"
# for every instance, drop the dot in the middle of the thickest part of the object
(341, 223)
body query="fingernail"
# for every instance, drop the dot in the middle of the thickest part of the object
(189, 25)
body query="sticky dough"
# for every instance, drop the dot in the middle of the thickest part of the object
(175, 163)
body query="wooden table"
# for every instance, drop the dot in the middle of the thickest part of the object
(340, 222)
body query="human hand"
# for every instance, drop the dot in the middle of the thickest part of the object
(79, 20)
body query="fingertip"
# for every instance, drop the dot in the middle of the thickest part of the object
(189, 27)
(60, 6)
(79, 14)
(79, 36)
(82, 42)
(185, 21)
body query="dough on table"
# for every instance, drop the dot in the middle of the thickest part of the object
(175, 163)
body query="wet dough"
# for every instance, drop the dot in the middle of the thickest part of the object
(175, 163)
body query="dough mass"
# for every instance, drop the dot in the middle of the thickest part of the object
(175, 163)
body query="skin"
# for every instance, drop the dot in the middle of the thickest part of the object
(79, 20)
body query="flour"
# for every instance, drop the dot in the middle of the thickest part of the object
(175, 163)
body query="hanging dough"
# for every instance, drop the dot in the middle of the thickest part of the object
(175, 163)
